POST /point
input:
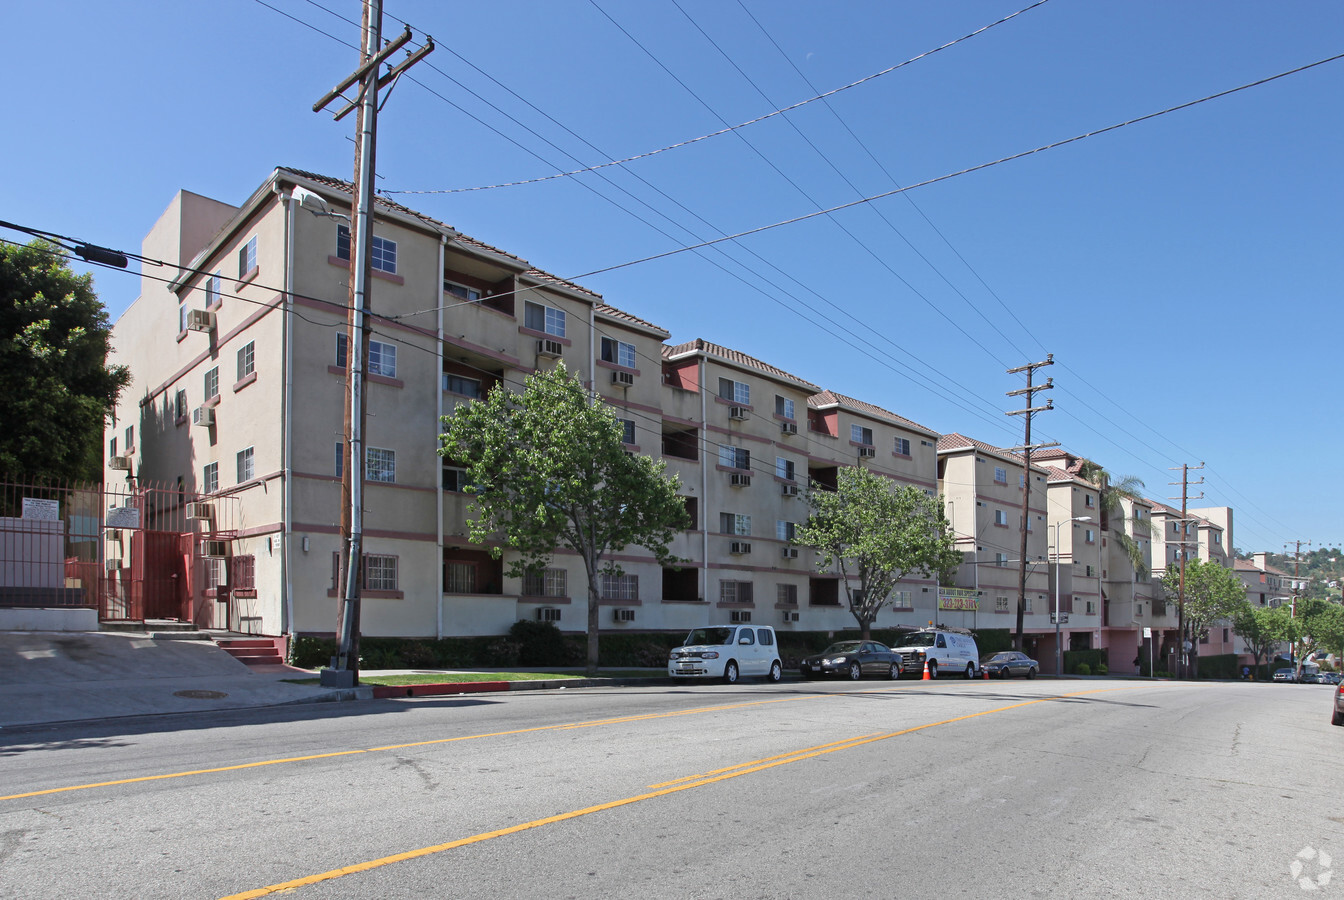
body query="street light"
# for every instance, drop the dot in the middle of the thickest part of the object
(1059, 668)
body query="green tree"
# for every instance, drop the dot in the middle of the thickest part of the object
(1212, 592)
(57, 387)
(548, 469)
(1261, 627)
(879, 531)
(1322, 626)
(1111, 493)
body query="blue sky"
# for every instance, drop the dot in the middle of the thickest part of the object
(1186, 272)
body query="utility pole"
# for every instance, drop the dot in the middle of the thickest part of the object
(1028, 392)
(1292, 612)
(344, 671)
(1180, 590)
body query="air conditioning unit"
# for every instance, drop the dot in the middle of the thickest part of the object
(623, 615)
(550, 348)
(203, 415)
(867, 452)
(120, 463)
(548, 614)
(113, 563)
(624, 379)
(200, 320)
(790, 616)
(737, 479)
(788, 552)
(737, 412)
(739, 548)
(739, 615)
(200, 511)
(788, 427)
(789, 490)
(215, 549)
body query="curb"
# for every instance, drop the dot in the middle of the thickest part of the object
(392, 691)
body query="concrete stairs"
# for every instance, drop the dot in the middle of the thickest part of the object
(256, 651)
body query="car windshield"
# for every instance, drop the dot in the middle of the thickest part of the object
(998, 657)
(918, 639)
(709, 636)
(841, 647)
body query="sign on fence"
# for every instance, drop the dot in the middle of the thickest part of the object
(46, 510)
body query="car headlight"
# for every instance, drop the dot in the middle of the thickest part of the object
(712, 654)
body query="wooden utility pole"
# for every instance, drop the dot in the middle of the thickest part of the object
(1029, 392)
(1181, 641)
(344, 671)
(1292, 612)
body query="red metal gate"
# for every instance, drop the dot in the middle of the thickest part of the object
(159, 575)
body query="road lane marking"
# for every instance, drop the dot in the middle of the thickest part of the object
(468, 737)
(656, 791)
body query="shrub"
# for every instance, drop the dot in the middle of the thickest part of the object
(1083, 669)
(1101, 669)
(539, 643)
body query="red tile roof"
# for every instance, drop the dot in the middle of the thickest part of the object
(831, 398)
(736, 357)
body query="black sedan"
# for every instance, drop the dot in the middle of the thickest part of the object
(854, 659)
(1009, 662)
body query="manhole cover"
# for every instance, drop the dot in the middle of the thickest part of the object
(201, 695)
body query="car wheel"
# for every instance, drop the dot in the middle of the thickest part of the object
(1004, 673)
(855, 673)
(1031, 673)
(776, 671)
(730, 673)
(970, 671)
(894, 672)
(1337, 718)
(933, 668)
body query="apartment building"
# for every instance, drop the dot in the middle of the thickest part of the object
(982, 487)
(239, 367)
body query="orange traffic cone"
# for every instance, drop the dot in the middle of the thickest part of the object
(926, 673)
(984, 672)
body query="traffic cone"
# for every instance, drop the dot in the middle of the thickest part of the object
(984, 672)
(926, 673)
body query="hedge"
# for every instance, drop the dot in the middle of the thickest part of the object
(1095, 660)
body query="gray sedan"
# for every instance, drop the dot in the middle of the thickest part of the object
(1009, 662)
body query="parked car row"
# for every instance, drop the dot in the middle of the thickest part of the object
(1290, 676)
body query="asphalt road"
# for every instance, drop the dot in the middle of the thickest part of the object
(1087, 788)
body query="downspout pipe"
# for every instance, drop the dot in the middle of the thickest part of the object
(286, 416)
(704, 487)
(437, 288)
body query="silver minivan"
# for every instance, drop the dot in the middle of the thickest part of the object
(727, 652)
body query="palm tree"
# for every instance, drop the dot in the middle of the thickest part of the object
(1110, 494)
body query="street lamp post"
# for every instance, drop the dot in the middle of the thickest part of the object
(1059, 656)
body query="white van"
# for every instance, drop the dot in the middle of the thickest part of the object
(941, 651)
(727, 652)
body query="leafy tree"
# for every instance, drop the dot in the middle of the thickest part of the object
(1321, 626)
(880, 531)
(548, 469)
(1110, 493)
(1261, 627)
(1212, 592)
(57, 387)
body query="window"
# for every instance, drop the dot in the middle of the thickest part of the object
(130, 438)
(383, 257)
(247, 258)
(544, 318)
(380, 572)
(461, 291)
(459, 578)
(216, 573)
(1089, 501)
(1000, 517)
(733, 523)
(342, 348)
(734, 591)
(783, 468)
(1089, 535)
(247, 359)
(212, 383)
(734, 457)
(340, 459)
(382, 359)
(245, 465)
(243, 573)
(735, 391)
(618, 352)
(213, 297)
(210, 478)
(902, 447)
(182, 318)
(619, 587)
(627, 430)
(1091, 571)
(786, 594)
(1000, 559)
(380, 465)
(902, 600)
(180, 402)
(112, 447)
(467, 387)
(860, 435)
(784, 530)
(783, 407)
(546, 583)
(1026, 605)
(1217, 535)
(1000, 475)
(1001, 604)
(454, 477)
